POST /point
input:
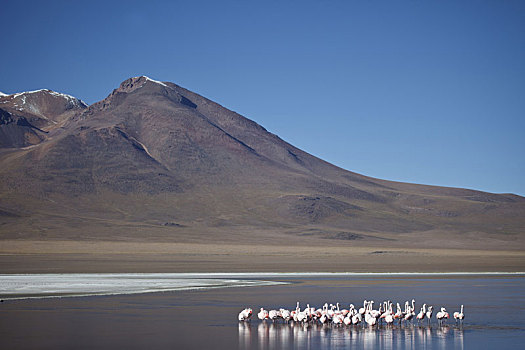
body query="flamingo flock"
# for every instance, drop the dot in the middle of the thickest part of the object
(366, 315)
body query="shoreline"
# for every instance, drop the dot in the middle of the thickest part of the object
(272, 274)
(66, 285)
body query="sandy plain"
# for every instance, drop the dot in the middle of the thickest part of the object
(17, 256)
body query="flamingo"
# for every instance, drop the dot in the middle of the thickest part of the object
(286, 315)
(408, 316)
(459, 315)
(443, 314)
(421, 314)
(389, 319)
(263, 314)
(410, 311)
(273, 315)
(245, 314)
(387, 315)
(375, 313)
(345, 312)
(299, 315)
(338, 311)
(363, 309)
(370, 319)
(429, 313)
(309, 311)
(349, 315)
(357, 318)
(295, 312)
(351, 310)
(331, 311)
(399, 314)
(318, 313)
(337, 319)
(347, 320)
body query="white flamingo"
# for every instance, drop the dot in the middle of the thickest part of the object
(421, 314)
(442, 315)
(286, 315)
(410, 312)
(429, 313)
(273, 315)
(299, 315)
(245, 314)
(357, 318)
(375, 313)
(338, 311)
(331, 311)
(347, 320)
(348, 317)
(369, 318)
(389, 319)
(263, 314)
(309, 312)
(363, 309)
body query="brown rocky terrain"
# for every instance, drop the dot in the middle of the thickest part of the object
(154, 162)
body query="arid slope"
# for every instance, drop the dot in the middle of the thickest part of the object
(154, 162)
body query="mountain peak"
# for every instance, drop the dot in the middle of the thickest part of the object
(28, 117)
(144, 86)
(134, 83)
(21, 102)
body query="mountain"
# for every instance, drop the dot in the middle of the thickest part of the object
(26, 118)
(154, 162)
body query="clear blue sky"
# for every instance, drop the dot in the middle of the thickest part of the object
(428, 92)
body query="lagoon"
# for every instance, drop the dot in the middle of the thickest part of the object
(207, 317)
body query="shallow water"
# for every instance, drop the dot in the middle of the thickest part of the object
(267, 335)
(494, 309)
(203, 319)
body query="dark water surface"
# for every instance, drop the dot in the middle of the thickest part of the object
(207, 319)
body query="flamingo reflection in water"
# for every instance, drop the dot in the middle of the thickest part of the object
(245, 335)
(268, 335)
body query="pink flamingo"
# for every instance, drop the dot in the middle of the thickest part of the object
(459, 315)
